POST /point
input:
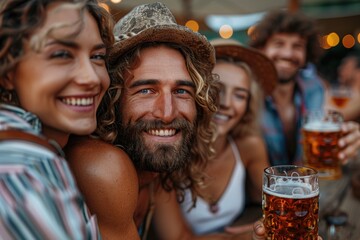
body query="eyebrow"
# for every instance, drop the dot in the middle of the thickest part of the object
(154, 82)
(74, 45)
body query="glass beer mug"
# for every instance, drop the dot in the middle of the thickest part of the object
(321, 132)
(290, 202)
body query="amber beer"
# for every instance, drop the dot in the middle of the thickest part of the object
(291, 203)
(320, 145)
(340, 95)
(340, 101)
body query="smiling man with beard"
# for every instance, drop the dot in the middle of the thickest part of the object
(162, 156)
(158, 109)
(290, 40)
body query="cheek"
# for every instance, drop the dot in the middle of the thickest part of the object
(240, 109)
(188, 110)
(104, 76)
(132, 110)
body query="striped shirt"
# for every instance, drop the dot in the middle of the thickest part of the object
(39, 198)
(308, 95)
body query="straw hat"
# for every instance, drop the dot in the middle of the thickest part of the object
(261, 66)
(155, 23)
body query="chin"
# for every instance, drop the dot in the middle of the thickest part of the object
(84, 130)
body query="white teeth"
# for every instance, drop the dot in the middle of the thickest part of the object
(221, 117)
(163, 132)
(78, 101)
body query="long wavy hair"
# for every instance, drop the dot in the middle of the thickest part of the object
(206, 99)
(282, 21)
(249, 123)
(19, 20)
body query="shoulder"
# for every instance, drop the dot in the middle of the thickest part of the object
(89, 157)
(249, 142)
(251, 148)
(108, 181)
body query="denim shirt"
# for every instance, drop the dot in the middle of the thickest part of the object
(308, 95)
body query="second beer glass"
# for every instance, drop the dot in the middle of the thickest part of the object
(321, 133)
(290, 203)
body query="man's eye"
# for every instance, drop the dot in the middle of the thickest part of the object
(145, 91)
(61, 54)
(182, 91)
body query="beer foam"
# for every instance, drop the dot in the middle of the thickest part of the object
(292, 190)
(320, 126)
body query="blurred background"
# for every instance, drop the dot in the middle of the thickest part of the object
(338, 20)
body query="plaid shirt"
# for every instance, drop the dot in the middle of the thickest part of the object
(39, 198)
(308, 95)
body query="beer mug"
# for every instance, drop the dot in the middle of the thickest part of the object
(321, 132)
(340, 95)
(290, 202)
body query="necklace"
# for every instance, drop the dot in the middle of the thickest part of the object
(214, 207)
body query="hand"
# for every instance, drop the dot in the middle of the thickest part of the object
(350, 142)
(259, 231)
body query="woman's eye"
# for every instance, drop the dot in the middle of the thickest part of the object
(100, 56)
(241, 96)
(61, 54)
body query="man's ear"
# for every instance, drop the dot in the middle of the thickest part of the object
(8, 81)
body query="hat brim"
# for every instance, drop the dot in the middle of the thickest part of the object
(179, 34)
(261, 66)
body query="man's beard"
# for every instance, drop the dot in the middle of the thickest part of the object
(161, 157)
(285, 80)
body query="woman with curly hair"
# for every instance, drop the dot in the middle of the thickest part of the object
(53, 75)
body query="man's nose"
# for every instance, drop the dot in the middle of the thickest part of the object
(165, 107)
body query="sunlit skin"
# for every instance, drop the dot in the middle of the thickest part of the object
(288, 53)
(64, 82)
(234, 95)
(160, 89)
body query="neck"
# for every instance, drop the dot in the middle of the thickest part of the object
(283, 93)
(146, 177)
(60, 138)
(220, 145)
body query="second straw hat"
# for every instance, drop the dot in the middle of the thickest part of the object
(261, 66)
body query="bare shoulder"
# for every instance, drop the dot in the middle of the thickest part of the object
(97, 157)
(252, 148)
(249, 142)
(108, 181)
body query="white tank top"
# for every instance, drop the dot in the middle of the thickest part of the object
(230, 205)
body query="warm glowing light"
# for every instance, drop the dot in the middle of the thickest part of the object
(348, 41)
(104, 5)
(226, 31)
(358, 37)
(193, 25)
(115, 1)
(323, 42)
(333, 39)
(250, 30)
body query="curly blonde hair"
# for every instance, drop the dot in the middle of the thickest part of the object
(249, 124)
(206, 100)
